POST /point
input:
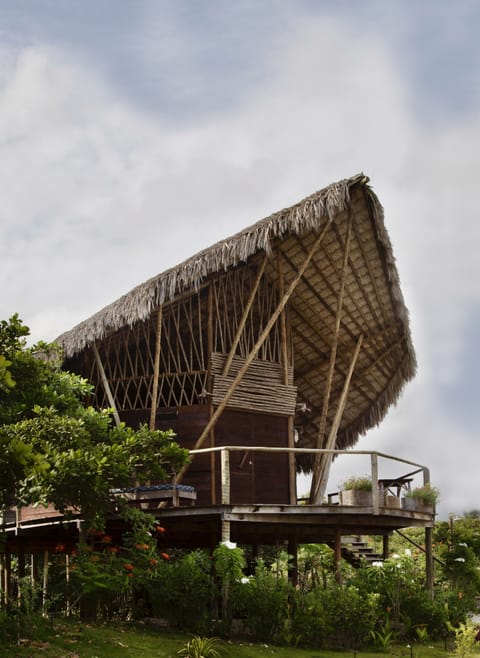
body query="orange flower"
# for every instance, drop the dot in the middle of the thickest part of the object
(160, 530)
(128, 566)
(113, 549)
(153, 561)
(165, 556)
(142, 547)
(106, 539)
(60, 548)
(94, 558)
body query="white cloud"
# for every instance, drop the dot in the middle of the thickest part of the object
(99, 194)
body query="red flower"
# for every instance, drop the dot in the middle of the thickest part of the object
(106, 539)
(60, 548)
(128, 566)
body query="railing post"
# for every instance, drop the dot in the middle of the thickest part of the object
(429, 566)
(375, 492)
(426, 475)
(225, 476)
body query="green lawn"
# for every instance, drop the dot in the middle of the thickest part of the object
(75, 640)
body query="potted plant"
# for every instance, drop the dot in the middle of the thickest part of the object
(421, 499)
(356, 490)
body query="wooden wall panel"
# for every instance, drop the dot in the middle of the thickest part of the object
(255, 477)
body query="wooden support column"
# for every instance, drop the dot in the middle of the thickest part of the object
(293, 561)
(67, 585)
(274, 317)
(292, 471)
(106, 385)
(225, 495)
(3, 599)
(375, 490)
(324, 468)
(7, 577)
(21, 571)
(45, 583)
(156, 367)
(429, 567)
(338, 556)
(319, 458)
(386, 547)
(225, 477)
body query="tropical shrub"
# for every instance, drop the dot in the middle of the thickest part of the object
(263, 600)
(182, 591)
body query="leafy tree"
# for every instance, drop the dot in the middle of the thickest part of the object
(54, 448)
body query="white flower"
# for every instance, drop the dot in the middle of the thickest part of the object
(244, 580)
(408, 552)
(229, 544)
(462, 543)
(377, 563)
(395, 556)
(459, 559)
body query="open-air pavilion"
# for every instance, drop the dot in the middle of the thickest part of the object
(268, 354)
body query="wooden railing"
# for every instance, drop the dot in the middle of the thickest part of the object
(374, 467)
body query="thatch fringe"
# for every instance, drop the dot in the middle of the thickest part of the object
(310, 213)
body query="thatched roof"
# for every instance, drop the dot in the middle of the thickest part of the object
(310, 213)
(374, 305)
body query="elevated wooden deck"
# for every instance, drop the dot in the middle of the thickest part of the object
(192, 525)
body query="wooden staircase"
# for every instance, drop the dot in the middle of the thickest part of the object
(357, 552)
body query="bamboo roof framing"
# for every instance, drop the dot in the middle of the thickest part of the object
(315, 285)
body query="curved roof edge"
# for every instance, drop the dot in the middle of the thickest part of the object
(309, 213)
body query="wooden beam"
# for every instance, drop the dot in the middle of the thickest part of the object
(244, 317)
(317, 468)
(292, 471)
(213, 477)
(261, 339)
(321, 482)
(429, 565)
(338, 556)
(106, 385)
(156, 367)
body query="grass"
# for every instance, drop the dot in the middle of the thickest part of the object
(76, 640)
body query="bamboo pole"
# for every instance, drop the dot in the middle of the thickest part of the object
(317, 468)
(213, 420)
(106, 385)
(213, 477)
(292, 472)
(244, 317)
(321, 482)
(156, 367)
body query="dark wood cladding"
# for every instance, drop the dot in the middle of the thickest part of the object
(256, 477)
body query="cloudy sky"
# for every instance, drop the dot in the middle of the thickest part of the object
(134, 133)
